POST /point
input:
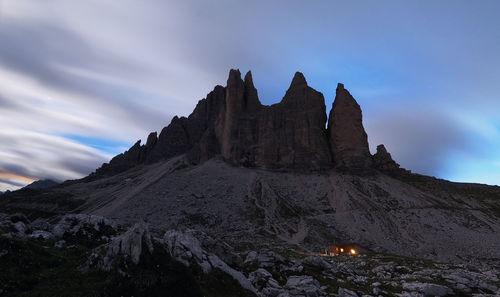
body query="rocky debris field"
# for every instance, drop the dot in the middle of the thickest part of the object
(89, 255)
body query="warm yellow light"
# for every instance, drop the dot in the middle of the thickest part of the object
(353, 251)
(341, 250)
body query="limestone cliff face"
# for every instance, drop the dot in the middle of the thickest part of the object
(238, 122)
(193, 135)
(291, 134)
(348, 139)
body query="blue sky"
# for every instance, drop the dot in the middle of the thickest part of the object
(82, 80)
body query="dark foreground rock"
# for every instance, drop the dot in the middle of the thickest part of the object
(139, 263)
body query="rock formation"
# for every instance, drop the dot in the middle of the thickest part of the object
(291, 134)
(41, 184)
(382, 160)
(348, 139)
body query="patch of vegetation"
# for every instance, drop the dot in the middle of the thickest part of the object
(37, 268)
(38, 203)
(219, 284)
(89, 237)
(156, 275)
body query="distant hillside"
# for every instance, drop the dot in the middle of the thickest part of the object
(41, 184)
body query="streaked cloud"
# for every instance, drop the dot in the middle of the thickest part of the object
(26, 156)
(80, 81)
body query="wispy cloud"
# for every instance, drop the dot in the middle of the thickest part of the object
(81, 80)
(27, 156)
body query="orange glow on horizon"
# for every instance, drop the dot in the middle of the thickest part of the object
(6, 175)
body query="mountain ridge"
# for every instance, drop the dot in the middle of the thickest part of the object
(227, 168)
(293, 134)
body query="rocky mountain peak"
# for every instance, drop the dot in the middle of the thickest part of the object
(152, 138)
(234, 77)
(251, 97)
(382, 151)
(232, 122)
(347, 136)
(249, 79)
(298, 80)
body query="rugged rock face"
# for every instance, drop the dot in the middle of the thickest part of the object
(292, 133)
(129, 245)
(232, 122)
(41, 184)
(194, 134)
(383, 161)
(348, 139)
(289, 134)
(237, 123)
(139, 263)
(187, 249)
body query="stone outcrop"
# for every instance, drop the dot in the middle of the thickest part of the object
(232, 122)
(188, 250)
(83, 225)
(382, 160)
(194, 134)
(348, 139)
(129, 245)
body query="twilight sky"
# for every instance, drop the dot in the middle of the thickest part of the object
(81, 81)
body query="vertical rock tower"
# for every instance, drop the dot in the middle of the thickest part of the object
(346, 134)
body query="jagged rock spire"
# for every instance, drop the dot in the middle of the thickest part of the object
(347, 137)
(298, 79)
(382, 160)
(249, 79)
(251, 97)
(232, 122)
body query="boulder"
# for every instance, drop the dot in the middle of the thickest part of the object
(259, 278)
(269, 259)
(128, 245)
(342, 292)
(428, 289)
(187, 249)
(251, 257)
(41, 234)
(317, 262)
(90, 226)
(20, 227)
(303, 285)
